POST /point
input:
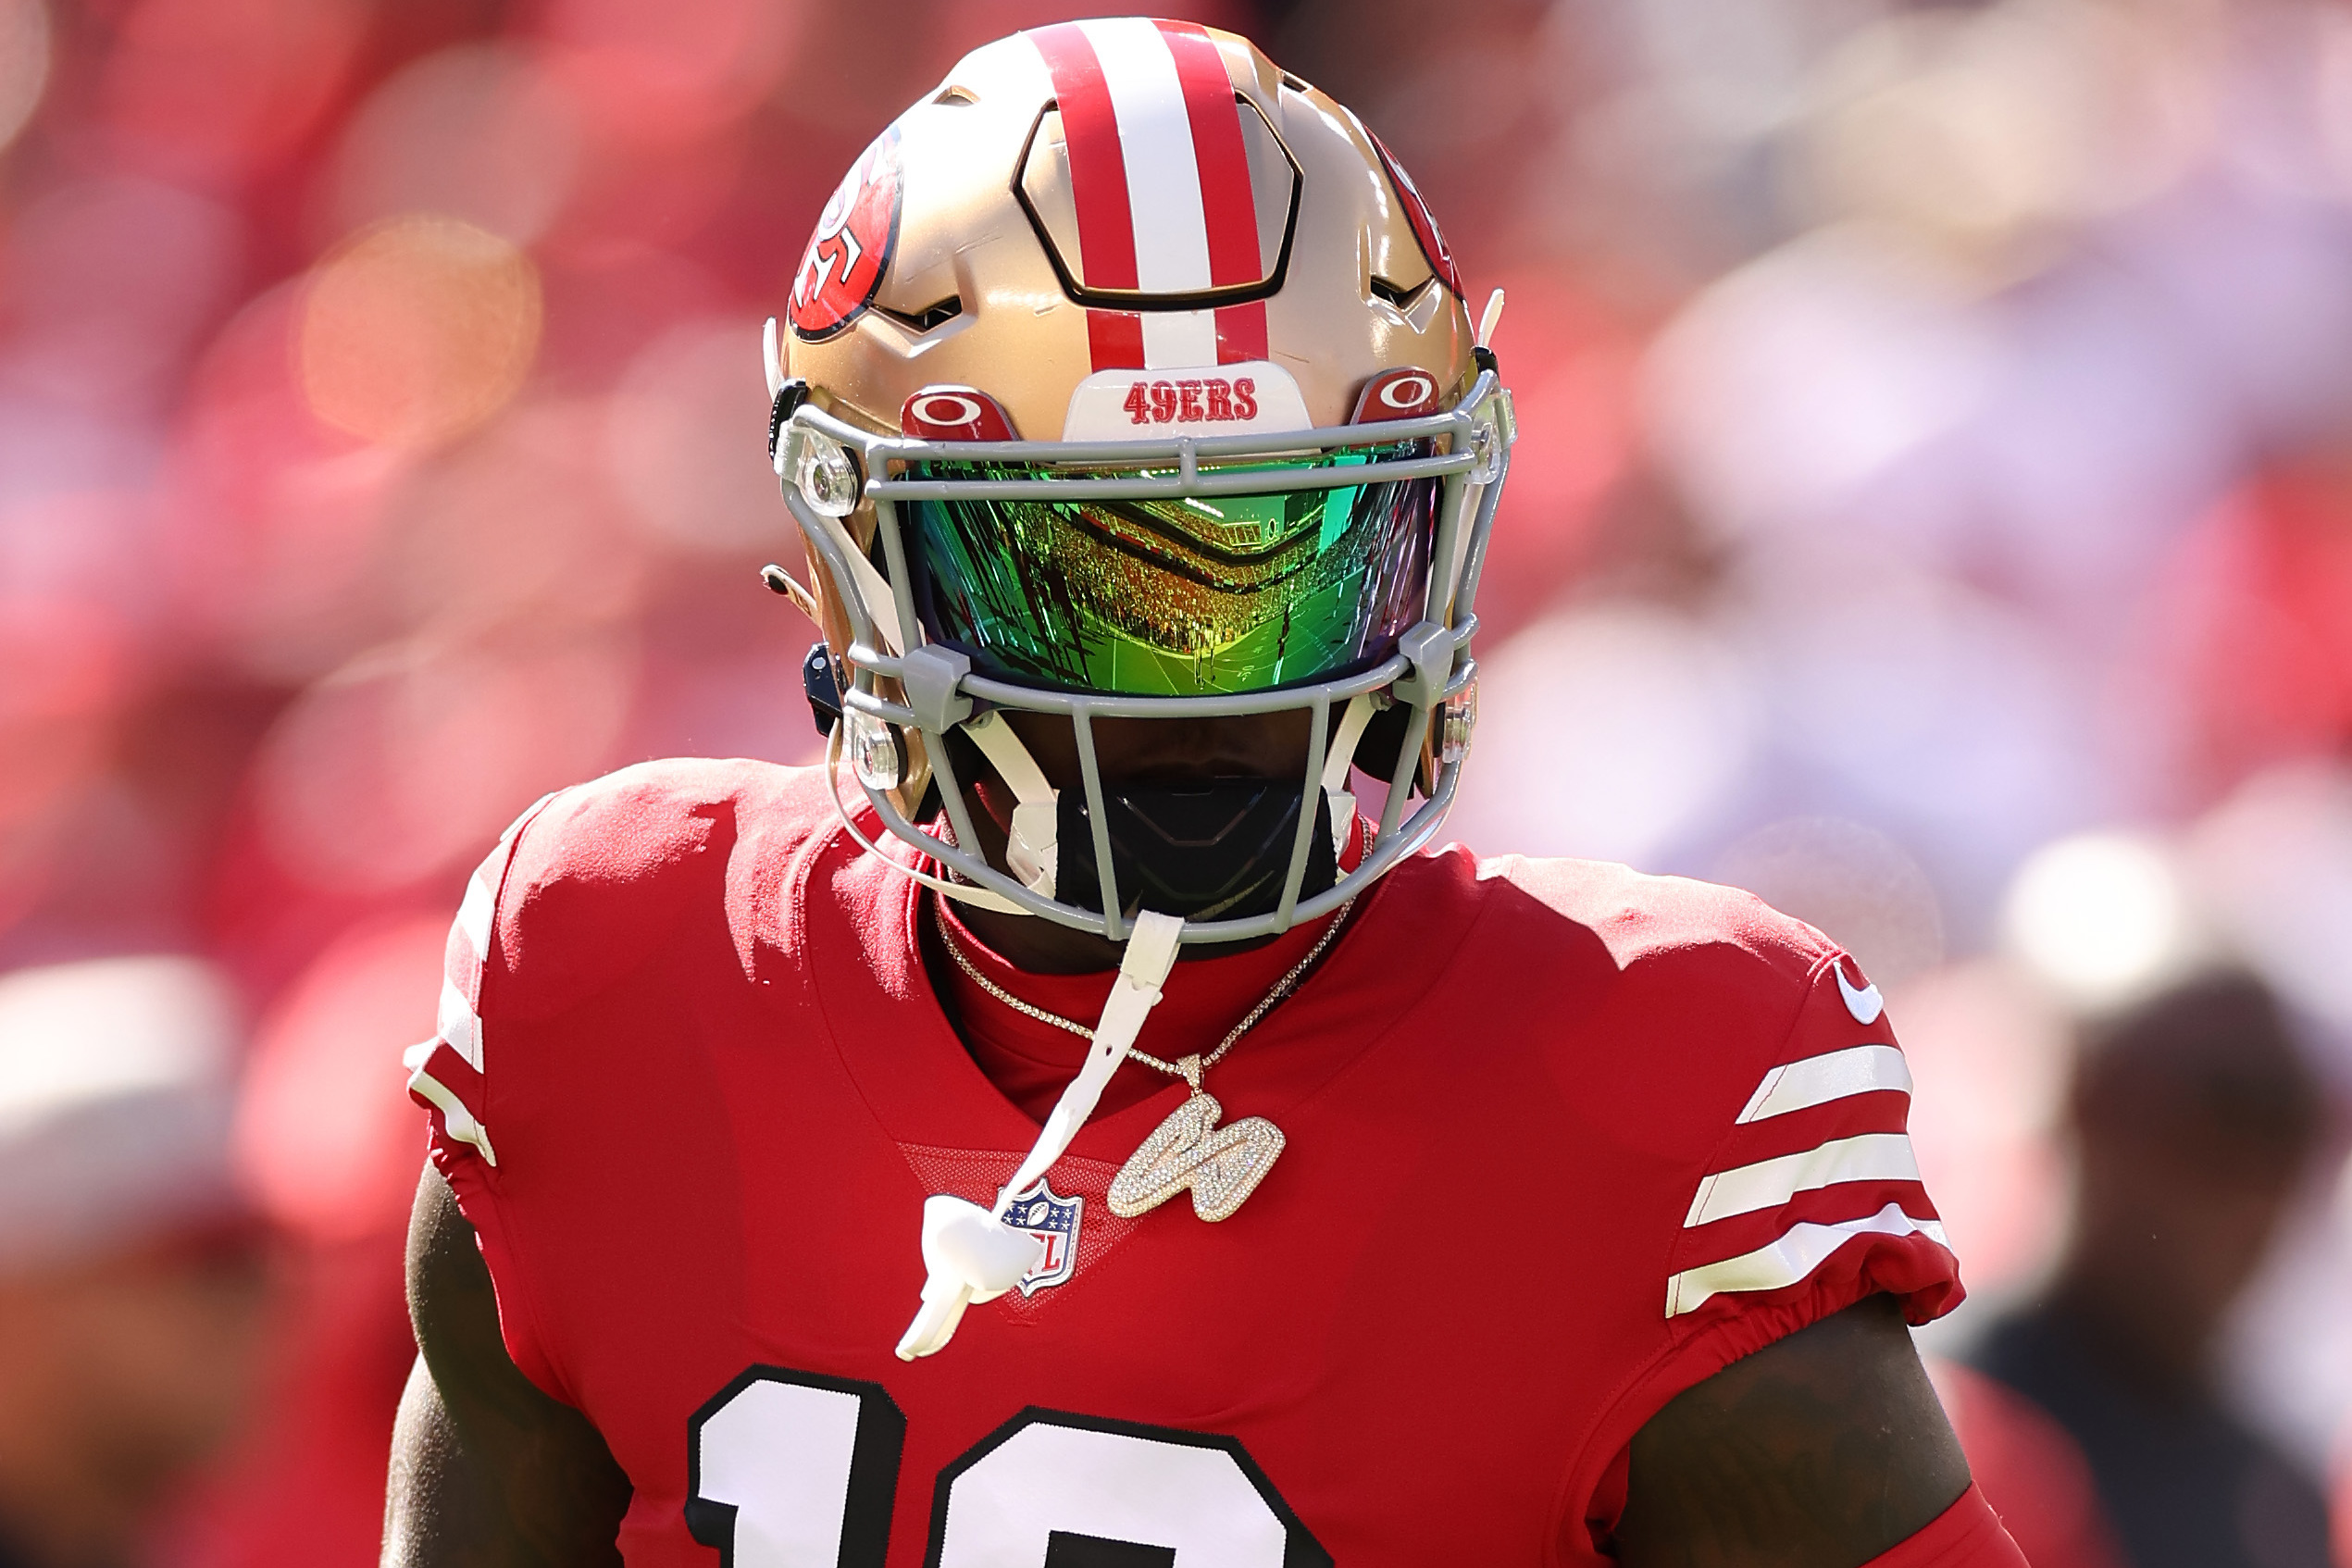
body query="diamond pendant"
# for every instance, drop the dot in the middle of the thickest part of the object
(1222, 1165)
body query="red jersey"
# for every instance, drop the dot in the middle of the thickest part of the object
(1562, 1140)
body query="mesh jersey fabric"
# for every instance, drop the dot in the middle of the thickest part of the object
(1563, 1141)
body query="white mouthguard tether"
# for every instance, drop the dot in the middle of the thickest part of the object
(969, 1252)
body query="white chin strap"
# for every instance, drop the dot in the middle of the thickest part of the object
(969, 1254)
(1030, 846)
(1338, 760)
(1031, 843)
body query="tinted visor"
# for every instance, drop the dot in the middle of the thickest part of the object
(1174, 596)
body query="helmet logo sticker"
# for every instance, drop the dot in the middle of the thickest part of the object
(946, 413)
(1424, 228)
(1397, 394)
(1217, 400)
(851, 247)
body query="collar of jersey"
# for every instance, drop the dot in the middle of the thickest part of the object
(1203, 997)
(895, 1042)
(1201, 1000)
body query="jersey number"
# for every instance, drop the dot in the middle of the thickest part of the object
(798, 1470)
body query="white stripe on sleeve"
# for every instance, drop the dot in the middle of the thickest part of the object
(458, 1025)
(1767, 1184)
(1817, 1081)
(475, 913)
(1801, 1249)
(455, 1117)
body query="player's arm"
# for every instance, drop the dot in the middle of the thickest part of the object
(1825, 1449)
(487, 1471)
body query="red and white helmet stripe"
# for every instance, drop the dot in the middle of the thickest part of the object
(1161, 176)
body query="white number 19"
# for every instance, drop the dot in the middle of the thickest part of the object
(797, 1470)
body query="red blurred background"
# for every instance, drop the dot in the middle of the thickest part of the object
(1935, 510)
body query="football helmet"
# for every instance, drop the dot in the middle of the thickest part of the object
(1127, 375)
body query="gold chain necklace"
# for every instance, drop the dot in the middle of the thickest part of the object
(1222, 1165)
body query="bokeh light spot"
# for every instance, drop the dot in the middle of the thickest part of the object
(354, 782)
(675, 440)
(1853, 883)
(329, 1151)
(24, 63)
(478, 132)
(663, 72)
(213, 89)
(1613, 730)
(2100, 916)
(419, 330)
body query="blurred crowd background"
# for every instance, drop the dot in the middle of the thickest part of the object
(1933, 511)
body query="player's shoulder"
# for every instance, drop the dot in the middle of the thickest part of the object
(1674, 1003)
(589, 879)
(1741, 1069)
(1667, 932)
(632, 824)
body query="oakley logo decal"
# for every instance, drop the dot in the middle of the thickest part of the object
(950, 413)
(1397, 394)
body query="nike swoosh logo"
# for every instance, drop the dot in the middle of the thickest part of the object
(1865, 1004)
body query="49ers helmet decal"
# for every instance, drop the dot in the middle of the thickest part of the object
(1425, 226)
(851, 250)
(1128, 377)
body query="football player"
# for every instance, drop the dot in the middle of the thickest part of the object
(837, 1166)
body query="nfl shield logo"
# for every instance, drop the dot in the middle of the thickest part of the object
(1054, 1221)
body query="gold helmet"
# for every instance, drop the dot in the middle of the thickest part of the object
(1128, 376)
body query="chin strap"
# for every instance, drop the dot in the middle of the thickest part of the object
(969, 1254)
(1029, 845)
(941, 885)
(1337, 761)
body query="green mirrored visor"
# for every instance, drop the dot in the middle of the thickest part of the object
(1176, 595)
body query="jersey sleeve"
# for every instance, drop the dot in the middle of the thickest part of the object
(447, 1077)
(570, 903)
(1813, 1199)
(1808, 1200)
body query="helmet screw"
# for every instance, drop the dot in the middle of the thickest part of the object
(1456, 719)
(826, 475)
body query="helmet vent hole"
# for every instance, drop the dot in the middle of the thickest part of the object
(956, 98)
(930, 318)
(1397, 294)
(1296, 83)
